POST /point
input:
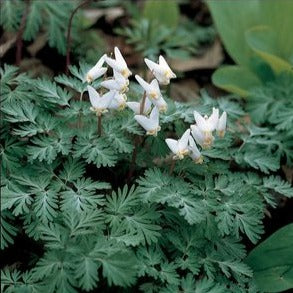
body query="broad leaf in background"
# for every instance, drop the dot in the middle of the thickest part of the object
(258, 29)
(272, 261)
(158, 11)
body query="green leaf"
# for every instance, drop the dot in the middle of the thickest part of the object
(14, 196)
(95, 150)
(227, 78)
(20, 111)
(125, 211)
(46, 148)
(157, 10)
(82, 196)
(52, 93)
(278, 185)
(272, 261)
(8, 231)
(264, 42)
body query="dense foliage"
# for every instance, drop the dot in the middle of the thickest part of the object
(67, 189)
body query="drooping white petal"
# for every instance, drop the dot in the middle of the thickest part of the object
(111, 84)
(94, 96)
(119, 58)
(200, 121)
(222, 122)
(161, 104)
(154, 116)
(106, 99)
(134, 106)
(183, 141)
(212, 121)
(221, 127)
(143, 83)
(101, 61)
(112, 63)
(155, 85)
(197, 134)
(96, 71)
(172, 144)
(118, 102)
(168, 72)
(194, 151)
(145, 122)
(154, 67)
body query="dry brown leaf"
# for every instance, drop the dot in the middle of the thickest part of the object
(211, 59)
(186, 90)
(110, 14)
(288, 173)
(38, 44)
(35, 67)
(8, 40)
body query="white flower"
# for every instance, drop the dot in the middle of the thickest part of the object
(194, 153)
(179, 147)
(135, 106)
(203, 140)
(152, 89)
(118, 102)
(118, 64)
(221, 127)
(161, 71)
(99, 103)
(153, 93)
(118, 83)
(207, 125)
(161, 104)
(151, 125)
(97, 71)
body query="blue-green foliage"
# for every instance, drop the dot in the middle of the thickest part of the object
(41, 16)
(64, 188)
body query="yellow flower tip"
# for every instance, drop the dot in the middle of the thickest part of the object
(199, 160)
(154, 132)
(89, 78)
(181, 154)
(154, 95)
(125, 72)
(221, 133)
(162, 109)
(168, 74)
(122, 106)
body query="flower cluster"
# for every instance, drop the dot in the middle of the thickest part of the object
(115, 98)
(152, 96)
(200, 133)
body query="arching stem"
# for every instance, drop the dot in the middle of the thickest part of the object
(68, 39)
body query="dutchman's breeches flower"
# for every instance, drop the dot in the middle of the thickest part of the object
(136, 106)
(206, 126)
(99, 103)
(161, 71)
(118, 102)
(97, 71)
(179, 147)
(151, 125)
(153, 93)
(118, 64)
(119, 83)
